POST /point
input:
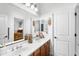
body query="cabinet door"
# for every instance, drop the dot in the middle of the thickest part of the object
(37, 52)
(47, 48)
(43, 50)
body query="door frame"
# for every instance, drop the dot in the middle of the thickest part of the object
(75, 33)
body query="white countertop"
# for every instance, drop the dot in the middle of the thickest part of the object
(27, 48)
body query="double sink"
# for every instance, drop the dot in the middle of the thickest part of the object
(26, 48)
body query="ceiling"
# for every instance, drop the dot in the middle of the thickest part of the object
(48, 7)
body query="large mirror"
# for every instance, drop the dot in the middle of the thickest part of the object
(37, 26)
(40, 26)
(18, 29)
(43, 26)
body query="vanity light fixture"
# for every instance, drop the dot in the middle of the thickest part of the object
(49, 21)
(36, 9)
(33, 23)
(32, 6)
(28, 4)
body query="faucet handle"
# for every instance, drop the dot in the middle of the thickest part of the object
(20, 46)
(17, 47)
(12, 49)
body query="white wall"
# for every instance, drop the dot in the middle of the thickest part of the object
(12, 11)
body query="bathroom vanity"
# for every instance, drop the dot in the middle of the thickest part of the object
(40, 47)
(15, 28)
(44, 50)
(19, 46)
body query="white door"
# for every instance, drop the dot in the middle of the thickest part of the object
(77, 32)
(61, 33)
(3, 29)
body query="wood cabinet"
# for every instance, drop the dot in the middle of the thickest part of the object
(37, 52)
(47, 48)
(18, 36)
(44, 50)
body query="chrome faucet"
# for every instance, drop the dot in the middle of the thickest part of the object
(12, 49)
(18, 47)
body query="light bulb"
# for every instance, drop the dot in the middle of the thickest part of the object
(32, 6)
(36, 9)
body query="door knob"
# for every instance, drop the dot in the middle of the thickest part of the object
(5, 36)
(55, 37)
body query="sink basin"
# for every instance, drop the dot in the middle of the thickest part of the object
(18, 52)
(37, 38)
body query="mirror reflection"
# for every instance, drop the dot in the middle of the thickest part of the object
(43, 26)
(37, 26)
(40, 26)
(18, 29)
